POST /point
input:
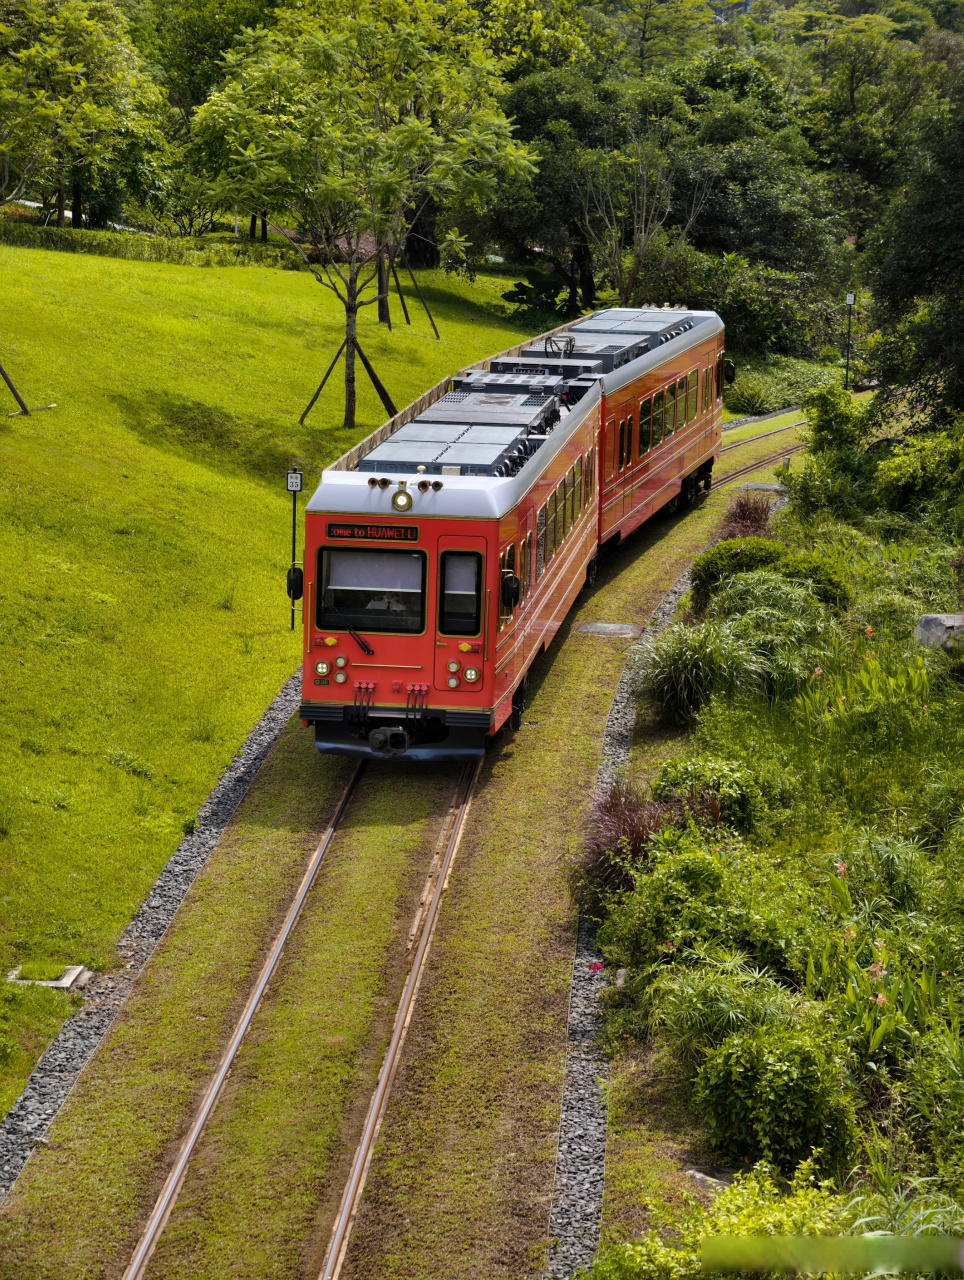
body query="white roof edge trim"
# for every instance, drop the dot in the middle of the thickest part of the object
(703, 328)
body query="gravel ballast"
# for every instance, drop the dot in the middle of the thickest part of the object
(575, 1216)
(58, 1070)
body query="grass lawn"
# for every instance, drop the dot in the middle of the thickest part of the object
(145, 532)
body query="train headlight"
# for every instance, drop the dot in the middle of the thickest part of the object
(341, 661)
(402, 500)
(340, 677)
(471, 674)
(453, 682)
(322, 668)
(455, 666)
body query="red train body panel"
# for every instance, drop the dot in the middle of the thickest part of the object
(431, 586)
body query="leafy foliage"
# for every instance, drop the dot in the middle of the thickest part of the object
(685, 666)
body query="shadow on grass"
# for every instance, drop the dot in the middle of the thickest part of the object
(259, 448)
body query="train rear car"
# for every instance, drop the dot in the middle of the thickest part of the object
(443, 553)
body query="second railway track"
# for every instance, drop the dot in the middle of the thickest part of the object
(418, 945)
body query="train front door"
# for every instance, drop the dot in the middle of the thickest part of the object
(459, 621)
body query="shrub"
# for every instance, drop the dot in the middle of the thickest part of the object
(685, 666)
(777, 1095)
(621, 826)
(919, 471)
(740, 800)
(746, 555)
(752, 1206)
(748, 516)
(696, 1007)
(732, 556)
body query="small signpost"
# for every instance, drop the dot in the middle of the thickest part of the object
(851, 300)
(295, 485)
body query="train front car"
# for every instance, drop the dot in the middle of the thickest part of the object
(443, 553)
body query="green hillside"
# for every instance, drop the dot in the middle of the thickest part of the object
(143, 543)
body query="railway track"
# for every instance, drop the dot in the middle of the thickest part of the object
(418, 946)
(763, 435)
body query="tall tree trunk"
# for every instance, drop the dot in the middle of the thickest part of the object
(421, 246)
(351, 329)
(61, 199)
(384, 315)
(254, 226)
(264, 227)
(587, 284)
(77, 202)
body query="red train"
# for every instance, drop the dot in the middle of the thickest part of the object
(444, 551)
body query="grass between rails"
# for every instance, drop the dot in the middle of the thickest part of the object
(143, 542)
(461, 1183)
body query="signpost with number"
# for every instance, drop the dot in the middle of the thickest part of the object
(851, 299)
(295, 485)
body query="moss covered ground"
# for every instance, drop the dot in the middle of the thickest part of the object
(144, 535)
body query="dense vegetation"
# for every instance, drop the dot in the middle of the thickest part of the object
(785, 894)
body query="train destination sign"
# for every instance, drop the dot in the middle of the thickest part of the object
(354, 532)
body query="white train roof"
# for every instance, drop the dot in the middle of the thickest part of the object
(344, 490)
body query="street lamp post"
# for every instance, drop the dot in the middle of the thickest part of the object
(851, 299)
(295, 485)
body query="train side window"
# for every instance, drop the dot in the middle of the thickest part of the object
(645, 414)
(657, 419)
(590, 460)
(681, 404)
(577, 491)
(523, 566)
(669, 418)
(561, 529)
(506, 569)
(719, 375)
(692, 408)
(622, 443)
(550, 527)
(630, 450)
(460, 593)
(610, 438)
(541, 544)
(570, 499)
(501, 605)
(528, 583)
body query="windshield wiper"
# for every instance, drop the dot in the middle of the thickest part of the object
(362, 643)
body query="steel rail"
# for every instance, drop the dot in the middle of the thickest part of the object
(169, 1192)
(351, 1197)
(756, 465)
(775, 432)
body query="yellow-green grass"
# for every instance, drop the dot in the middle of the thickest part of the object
(144, 536)
(751, 429)
(461, 1183)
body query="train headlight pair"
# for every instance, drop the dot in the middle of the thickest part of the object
(471, 674)
(341, 661)
(322, 668)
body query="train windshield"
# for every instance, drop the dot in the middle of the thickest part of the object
(371, 590)
(460, 594)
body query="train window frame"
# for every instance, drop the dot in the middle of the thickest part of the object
(528, 581)
(681, 387)
(570, 515)
(721, 357)
(645, 415)
(541, 542)
(506, 569)
(550, 527)
(692, 395)
(622, 444)
(588, 476)
(669, 411)
(480, 580)
(630, 448)
(522, 570)
(561, 529)
(342, 622)
(577, 491)
(658, 434)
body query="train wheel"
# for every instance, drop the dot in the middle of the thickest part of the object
(708, 477)
(592, 568)
(520, 700)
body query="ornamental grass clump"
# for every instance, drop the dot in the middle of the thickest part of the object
(748, 516)
(685, 666)
(622, 825)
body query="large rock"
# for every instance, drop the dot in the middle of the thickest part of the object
(941, 629)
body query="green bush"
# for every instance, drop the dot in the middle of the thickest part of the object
(753, 1206)
(741, 802)
(141, 248)
(764, 387)
(685, 666)
(923, 469)
(746, 555)
(777, 1095)
(727, 558)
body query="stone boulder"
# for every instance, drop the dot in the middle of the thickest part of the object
(945, 630)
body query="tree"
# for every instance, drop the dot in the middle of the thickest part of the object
(916, 272)
(661, 31)
(349, 128)
(70, 86)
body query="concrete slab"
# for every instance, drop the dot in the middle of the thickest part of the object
(763, 486)
(74, 977)
(620, 630)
